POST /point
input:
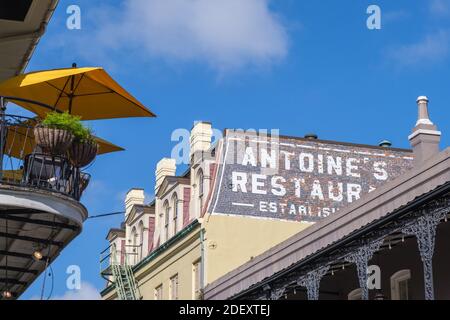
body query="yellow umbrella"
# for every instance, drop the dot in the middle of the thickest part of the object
(20, 141)
(87, 92)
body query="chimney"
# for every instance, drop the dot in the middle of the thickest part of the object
(311, 136)
(201, 136)
(425, 137)
(167, 167)
(133, 197)
(385, 144)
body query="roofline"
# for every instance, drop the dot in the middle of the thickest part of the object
(332, 142)
(179, 181)
(114, 230)
(133, 216)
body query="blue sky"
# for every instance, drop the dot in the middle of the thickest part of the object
(298, 66)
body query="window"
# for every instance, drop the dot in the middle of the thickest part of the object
(159, 292)
(133, 236)
(355, 294)
(175, 213)
(141, 239)
(196, 277)
(132, 250)
(400, 285)
(201, 190)
(174, 287)
(161, 226)
(166, 219)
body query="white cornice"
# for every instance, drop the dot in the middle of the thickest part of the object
(424, 131)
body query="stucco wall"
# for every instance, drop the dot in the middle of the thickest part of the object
(177, 259)
(231, 241)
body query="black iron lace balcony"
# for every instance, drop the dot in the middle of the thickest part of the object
(23, 164)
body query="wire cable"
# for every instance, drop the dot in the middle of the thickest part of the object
(106, 215)
(47, 260)
(53, 283)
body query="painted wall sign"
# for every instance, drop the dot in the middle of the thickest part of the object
(298, 179)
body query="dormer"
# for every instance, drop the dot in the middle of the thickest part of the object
(173, 214)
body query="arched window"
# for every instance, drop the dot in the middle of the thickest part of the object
(134, 235)
(175, 212)
(166, 219)
(355, 294)
(132, 252)
(161, 224)
(400, 285)
(141, 230)
(201, 189)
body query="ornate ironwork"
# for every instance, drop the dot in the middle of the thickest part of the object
(269, 292)
(361, 257)
(420, 223)
(277, 293)
(22, 165)
(311, 281)
(424, 229)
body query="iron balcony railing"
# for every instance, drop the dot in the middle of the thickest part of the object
(23, 164)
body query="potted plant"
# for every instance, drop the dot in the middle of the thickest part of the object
(84, 148)
(54, 134)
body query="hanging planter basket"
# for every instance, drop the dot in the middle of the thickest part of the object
(82, 153)
(53, 141)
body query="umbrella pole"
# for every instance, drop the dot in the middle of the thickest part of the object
(72, 83)
(70, 105)
(72, 87)
(2, 133)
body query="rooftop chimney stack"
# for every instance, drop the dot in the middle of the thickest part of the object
(425, 137)
(167, 167)
(133, 197)
(201, 136)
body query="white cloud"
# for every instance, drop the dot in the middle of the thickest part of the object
(87, 292)
(433, 48)
(225, 34)
(395, 16)
(440, 7)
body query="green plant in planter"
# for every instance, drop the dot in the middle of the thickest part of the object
(56, 132)
(83, 134)
(61, 133)
(63, 121)
(84, 147)
(71, 123)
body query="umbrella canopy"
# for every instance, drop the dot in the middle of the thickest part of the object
(20, 141)
(86, 92)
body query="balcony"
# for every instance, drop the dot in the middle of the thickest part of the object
(40, 212)
(22, 164)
